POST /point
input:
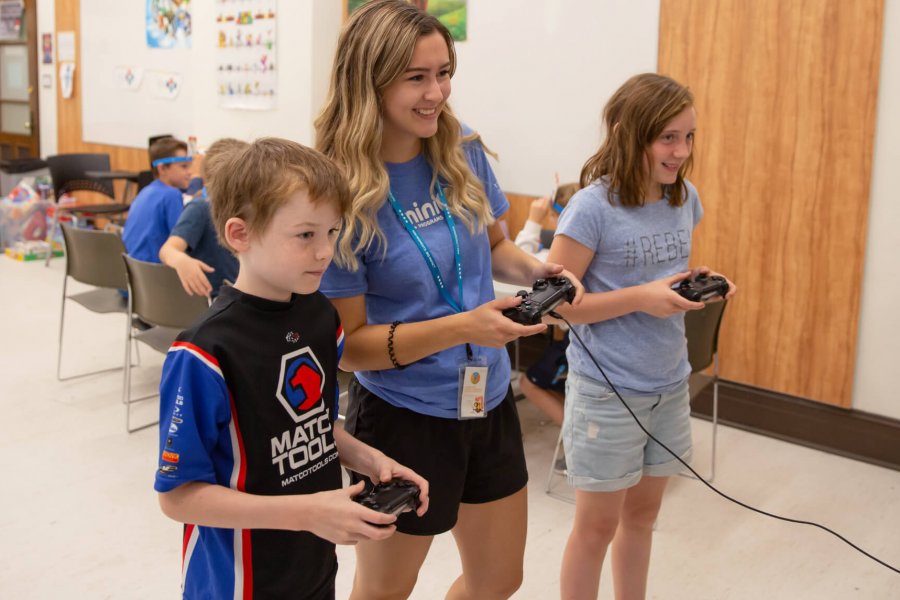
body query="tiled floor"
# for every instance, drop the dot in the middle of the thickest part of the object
(79, 518)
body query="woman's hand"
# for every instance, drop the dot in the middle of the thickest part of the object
(487, 326)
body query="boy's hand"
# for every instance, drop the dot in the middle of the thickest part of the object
(192, 273)
(337, 518)
(385, 469)
(539, 209)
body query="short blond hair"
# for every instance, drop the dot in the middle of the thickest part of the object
(215, 154)
(253, 182)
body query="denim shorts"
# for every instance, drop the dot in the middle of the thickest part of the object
(606, 451)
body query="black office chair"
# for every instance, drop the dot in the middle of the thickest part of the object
(67, 171)
(156, 298)
(145, 178)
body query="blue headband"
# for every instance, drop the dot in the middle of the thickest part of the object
(558, 207)
(170, 160)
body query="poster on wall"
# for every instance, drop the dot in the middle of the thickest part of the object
(246, 66)
(11, 19)
(168, 23)
(452, 13)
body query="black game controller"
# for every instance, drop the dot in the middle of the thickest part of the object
(391, 498)
(546, 294)
(703, 288)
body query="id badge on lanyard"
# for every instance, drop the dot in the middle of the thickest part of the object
(473, 374)
(473, 371)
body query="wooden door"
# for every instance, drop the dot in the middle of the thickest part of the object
(19, 130)
(785, 97)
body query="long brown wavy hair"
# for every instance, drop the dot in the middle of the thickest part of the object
(374, 50)
(634, 117)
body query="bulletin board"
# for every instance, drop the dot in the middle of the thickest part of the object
(129, 91)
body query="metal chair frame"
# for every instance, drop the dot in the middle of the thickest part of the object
(92, 257)
(155, 298)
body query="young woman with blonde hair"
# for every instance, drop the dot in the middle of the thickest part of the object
(413, 286)
(628, 234)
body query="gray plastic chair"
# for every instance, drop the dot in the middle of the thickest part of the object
(701, 328)
(92, 258)
(162, 309)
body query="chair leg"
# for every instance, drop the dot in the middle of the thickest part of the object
(550, 472)
(715, 426)
(126, 384)
(59, 377)
(51, 231)
(62, 316)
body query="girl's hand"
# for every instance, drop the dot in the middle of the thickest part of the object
(487, 326)
(384, 469)
(546, 270)
(660, 300)
(706, 272)
(340, 520)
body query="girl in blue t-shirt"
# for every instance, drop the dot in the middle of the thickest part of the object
(413, 283)
(627, 234)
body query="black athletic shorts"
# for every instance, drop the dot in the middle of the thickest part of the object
(472, 461)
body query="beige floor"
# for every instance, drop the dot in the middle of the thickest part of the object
(79, 518)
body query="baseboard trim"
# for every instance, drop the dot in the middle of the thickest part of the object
(846, 432)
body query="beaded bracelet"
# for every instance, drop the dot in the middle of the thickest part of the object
(390, 345)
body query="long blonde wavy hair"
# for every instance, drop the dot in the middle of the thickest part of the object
(636, 114)
(374, 50)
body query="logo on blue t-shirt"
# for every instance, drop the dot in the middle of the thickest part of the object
(301, 382)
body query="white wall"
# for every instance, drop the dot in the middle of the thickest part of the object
(534, 75)
(46, 12)
(307, 34)
(878, 352)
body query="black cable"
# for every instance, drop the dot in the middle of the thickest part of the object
(556, 315)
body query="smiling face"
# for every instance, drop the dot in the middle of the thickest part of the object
(291, 254)
(412, 104)
(667, 154)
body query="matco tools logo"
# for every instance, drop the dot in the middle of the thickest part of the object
(301, 382)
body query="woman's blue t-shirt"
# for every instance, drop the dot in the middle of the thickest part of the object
(398, 286)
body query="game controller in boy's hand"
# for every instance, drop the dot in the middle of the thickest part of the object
(546, 294)
(392, 497)
(703, 288)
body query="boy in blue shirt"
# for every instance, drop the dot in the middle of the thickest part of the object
(248, 448)
(156, 208)
(193, 249)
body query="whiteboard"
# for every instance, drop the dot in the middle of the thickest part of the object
(113, 39)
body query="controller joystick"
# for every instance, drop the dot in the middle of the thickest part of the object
(546, 294)
(392, 497)
(703, 288)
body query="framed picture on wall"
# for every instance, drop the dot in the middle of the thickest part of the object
(452, 13)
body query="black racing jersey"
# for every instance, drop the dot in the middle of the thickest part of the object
(248, 397)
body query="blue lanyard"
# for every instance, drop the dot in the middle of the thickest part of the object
(426, 253)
